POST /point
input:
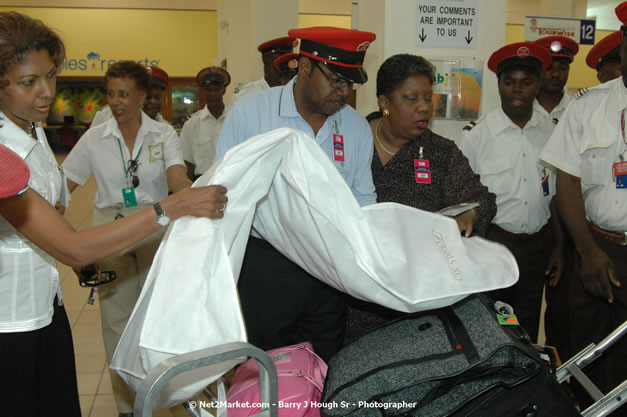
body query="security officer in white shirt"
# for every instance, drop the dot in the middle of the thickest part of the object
(604, 57)
(503, 148)
(270, 51)
(552, 100)
(200, 132)
(589, 148)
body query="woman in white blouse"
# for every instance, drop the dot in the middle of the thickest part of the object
(135, 160)
(37, 363)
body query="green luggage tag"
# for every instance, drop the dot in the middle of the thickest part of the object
(507, 319)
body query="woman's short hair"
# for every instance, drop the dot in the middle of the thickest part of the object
(20, 35)
(132, 70)
(398, 68)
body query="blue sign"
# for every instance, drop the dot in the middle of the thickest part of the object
(586, 32)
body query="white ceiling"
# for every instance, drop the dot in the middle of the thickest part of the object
(603, 10)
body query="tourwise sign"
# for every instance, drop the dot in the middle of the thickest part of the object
(579, 30)
(447, 23)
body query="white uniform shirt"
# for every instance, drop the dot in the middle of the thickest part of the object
(105, 114)
(29, 279)
(557, 111)
(506, 158)
(250, 88)
(199, 137)
(101, 151)
(587, 143)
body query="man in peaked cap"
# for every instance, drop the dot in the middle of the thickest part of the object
(200, 133)
(552, 100)
(154, 98)
(270, 51)
(503, 148)
(287, 66)
(588, 149)
(604, 57)
(297, 306)
(152, 106)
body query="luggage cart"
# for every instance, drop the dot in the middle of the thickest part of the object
(233, 353)
(604, 404)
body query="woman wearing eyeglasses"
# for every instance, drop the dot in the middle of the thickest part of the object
(36, 349)
(135, 161)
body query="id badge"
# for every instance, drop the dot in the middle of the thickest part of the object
(620, 172)
(545, 185)
(422, 171)
(128, 194)
(338, 147)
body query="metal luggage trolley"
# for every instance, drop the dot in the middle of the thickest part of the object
(604, 404)
(230, 354)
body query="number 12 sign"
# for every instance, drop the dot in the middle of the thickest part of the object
(580, 30)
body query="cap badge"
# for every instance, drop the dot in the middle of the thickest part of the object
(522, 52)
(363, 46)
(314, 53)
(292, 64)
(556, 46)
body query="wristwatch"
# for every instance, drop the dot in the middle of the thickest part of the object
(162, 218)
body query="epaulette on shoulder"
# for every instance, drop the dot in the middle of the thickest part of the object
(470, 125)
(581, 93)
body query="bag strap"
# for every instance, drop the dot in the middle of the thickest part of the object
(458, 335)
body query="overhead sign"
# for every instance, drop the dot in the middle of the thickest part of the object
(579, 30)
(447, 23)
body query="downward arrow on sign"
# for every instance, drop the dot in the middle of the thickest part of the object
(468, 38)
(423, 36)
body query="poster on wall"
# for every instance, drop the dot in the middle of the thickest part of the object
(457, 88)
(447, 23)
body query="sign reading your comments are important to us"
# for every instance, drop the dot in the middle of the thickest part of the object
(447, 23)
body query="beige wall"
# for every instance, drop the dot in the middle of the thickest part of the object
(116, 4)
(332, 7)
(518, 9)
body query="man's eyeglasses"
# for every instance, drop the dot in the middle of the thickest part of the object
(132, 171)
(336, 83)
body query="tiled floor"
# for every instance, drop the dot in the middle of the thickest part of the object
(93, 377)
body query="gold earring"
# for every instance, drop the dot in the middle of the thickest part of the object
(386, 113)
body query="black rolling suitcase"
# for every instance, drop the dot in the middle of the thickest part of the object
(454, 361)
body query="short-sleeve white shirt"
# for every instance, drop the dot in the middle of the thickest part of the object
(506, 158)
(199, 137)
(101, 151)
(586, 144)
(29, 279)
